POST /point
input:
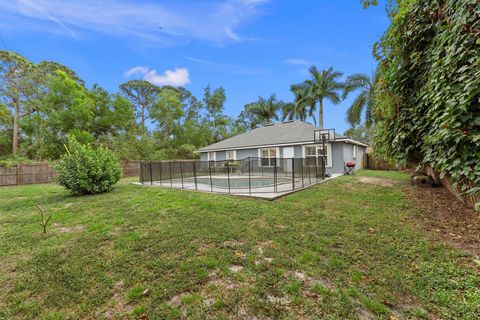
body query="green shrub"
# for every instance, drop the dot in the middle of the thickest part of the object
(88, 170)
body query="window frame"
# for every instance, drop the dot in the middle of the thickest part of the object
(270, 158)
(234, 155)
(328, 153)
(214, 156)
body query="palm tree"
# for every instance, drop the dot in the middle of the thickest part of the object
(289, 111)
(302, 107)
(364, 102)
(324, 85)
(265, 110)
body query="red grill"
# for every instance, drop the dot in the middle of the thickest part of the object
(349, 167)
(350, 164)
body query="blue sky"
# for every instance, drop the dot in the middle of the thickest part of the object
(250, 47)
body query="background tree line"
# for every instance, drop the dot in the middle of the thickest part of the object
(40, 104)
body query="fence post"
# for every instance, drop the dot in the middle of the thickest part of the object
(323, 168)
(18, 174)
(228, 175)
(181, 173)
(141, 172)
(210, 174)
(293, 173)
(316, 170)
(151, 176)
(275, 177)
(160, 169)
(301, 167)
(249, 178)
(170, 165)
(195, 175)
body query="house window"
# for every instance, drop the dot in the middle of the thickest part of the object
(313, 155)
(211, 156)
(268, 157)
(231, 155)
(355, 151)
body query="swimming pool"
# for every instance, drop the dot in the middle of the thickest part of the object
(239, 183)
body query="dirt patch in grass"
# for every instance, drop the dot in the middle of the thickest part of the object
(311, 281)
(116, 231)
(205, 247)
(232, 243)
(377, 181)
(235, 268)
(448, 218)
(72, 229)
(221, 283)
(261, 246)
(263, 261)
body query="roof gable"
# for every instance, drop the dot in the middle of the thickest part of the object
(277, 133)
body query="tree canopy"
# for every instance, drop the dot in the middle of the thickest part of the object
(41, 104)
(322, 85)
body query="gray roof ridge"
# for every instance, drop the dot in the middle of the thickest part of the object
(278, 133)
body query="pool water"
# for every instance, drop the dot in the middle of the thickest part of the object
(242, 182)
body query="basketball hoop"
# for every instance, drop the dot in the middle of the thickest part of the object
(324, 135)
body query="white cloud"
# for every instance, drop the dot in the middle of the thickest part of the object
(178, 77)
(136, 70)
(297, 62)
(164, 23)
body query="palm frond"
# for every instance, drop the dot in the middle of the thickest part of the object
(357, 81)
(333, 96)
(369, 114)
(354, 113)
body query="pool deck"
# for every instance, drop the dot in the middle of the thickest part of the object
(266, 192)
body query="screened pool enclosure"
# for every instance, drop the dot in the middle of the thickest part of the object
(250, 176)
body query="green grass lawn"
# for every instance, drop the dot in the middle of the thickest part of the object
(339, 250)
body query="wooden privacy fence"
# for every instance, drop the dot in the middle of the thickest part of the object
(375, 163)
(130, 168)
(42, 172)
(32, 173)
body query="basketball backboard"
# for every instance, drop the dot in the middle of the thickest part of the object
(324, 135)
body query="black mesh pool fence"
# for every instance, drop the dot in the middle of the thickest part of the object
(245, 176)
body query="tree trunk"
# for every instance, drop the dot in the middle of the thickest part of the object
(143, 119)
(16, 129)
(320, 114)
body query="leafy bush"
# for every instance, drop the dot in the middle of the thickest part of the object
(14, 161)
(428, 93)
(88, 170)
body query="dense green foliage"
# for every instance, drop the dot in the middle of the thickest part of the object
(87, 170)
(339, 250)
(40, 104)
(360, 133)
(428, 91)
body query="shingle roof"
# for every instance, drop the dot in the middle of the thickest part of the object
(278, 133)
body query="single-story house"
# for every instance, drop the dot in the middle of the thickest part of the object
(289, 139)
